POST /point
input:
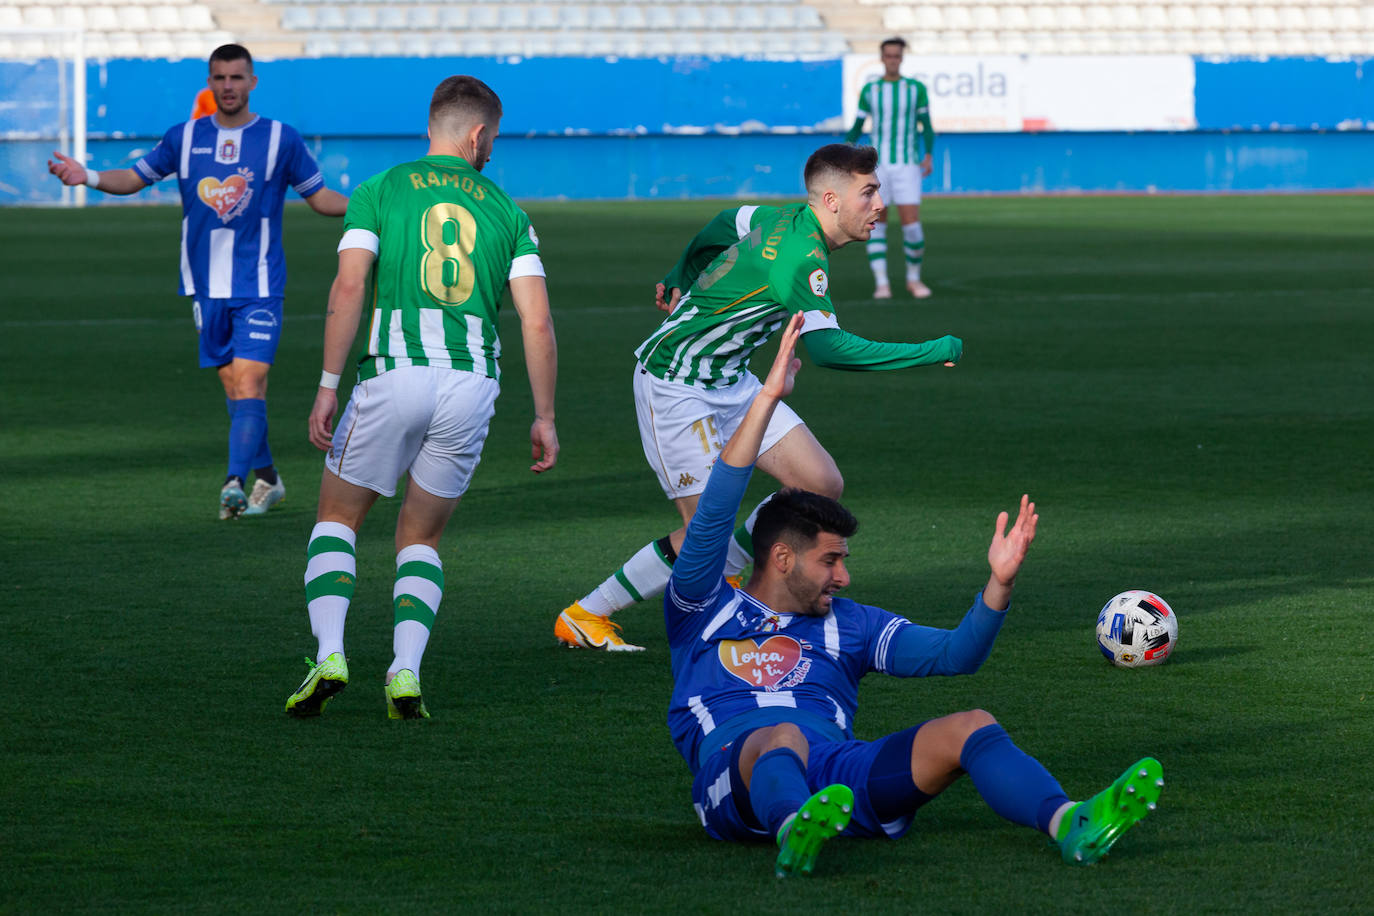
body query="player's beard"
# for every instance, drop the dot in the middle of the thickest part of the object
(232, 106)
(483, 152)
(813, 599)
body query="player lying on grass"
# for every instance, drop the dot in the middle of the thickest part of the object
(745, 273)
(766, 681)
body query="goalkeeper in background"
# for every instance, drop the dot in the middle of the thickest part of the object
(900, 111)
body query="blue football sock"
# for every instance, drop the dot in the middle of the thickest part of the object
(247, 434)
(262, 461)
(778, 787)
(1013, 783)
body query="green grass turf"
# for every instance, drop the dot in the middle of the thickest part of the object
(1183, 384)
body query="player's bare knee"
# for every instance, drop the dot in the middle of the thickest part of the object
(784, 735)
(973, 719)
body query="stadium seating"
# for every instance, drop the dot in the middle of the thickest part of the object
(563, 27)
(787, 28)
(1224, 27)
(111, 28)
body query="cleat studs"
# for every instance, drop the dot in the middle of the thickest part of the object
(844, 808)
(1160, 782)
(806, 815)
(825, 799)
(1152, 806)
(1078, 857)
(1143, 774)
(1130, 790)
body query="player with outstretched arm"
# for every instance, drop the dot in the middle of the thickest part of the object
(435, 242)
(744, 274)
(766, 680)
(233, 169)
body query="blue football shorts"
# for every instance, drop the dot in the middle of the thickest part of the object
(871, 769)
(232, 329)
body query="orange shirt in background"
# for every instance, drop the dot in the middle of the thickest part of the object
(205, 104)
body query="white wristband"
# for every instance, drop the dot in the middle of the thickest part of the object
(329, 380)
(92, 178)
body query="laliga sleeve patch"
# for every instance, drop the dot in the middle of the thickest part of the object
(820, 283)
(534, 238)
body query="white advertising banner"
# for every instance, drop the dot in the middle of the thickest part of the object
(966, 93)
(1153, 92)
(1013, 93)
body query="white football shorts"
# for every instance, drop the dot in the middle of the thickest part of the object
(899, 184)
(425, 420)
(684, 427)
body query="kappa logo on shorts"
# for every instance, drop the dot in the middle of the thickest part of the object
(820, 283)
(686, 480)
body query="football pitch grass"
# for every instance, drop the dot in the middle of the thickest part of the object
(1184, 385)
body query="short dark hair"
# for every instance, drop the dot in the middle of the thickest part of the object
(795, 517)
(467, 99)
(227, 53)
(899, 42)
(838, 159)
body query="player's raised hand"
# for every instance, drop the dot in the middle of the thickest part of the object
(665, 300)
(1008, 548)
(783, 373)
(67, 169)
(543, 445)
(322, 418)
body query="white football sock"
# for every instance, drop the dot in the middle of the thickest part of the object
(644, 575)
(914, 247)
(330, 576)
(416, 596)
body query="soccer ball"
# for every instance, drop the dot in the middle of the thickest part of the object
(1136, 629)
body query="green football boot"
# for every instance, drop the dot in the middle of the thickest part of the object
(824, 815)
(325, 679)
(403, 699)
(1089, 828)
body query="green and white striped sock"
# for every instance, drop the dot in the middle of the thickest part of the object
(877, 254)
(330, 575)
(644, 575)
(419, 589)
(914, 247)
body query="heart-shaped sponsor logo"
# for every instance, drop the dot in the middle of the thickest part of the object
(221, 196)
(760, 663)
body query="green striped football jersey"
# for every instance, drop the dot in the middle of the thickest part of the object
(898, 111)
(446, 240)
(774, 263)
